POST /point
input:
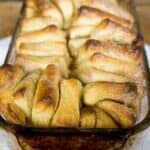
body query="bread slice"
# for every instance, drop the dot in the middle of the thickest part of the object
(24, 92)
(88, 74)
(43, 8)
(46, 97)
(51, 33)
(37, 23)
(68, 111)
(122, 114)
(85, 13)
(108, 30)
(129, 54)
(122, 92)
(43, 49)
(30, 63)
(108, 64)
(111, 6)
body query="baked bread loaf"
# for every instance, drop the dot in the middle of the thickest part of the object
(78, 63)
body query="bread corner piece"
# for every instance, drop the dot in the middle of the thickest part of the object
(46, 97)
(68, 111)
(12, 114)
(10, 76)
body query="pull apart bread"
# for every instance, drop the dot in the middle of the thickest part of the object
(79, 63)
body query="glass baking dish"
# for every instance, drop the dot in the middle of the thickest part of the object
(142, 124)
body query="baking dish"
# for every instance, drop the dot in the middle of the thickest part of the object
(146, 102)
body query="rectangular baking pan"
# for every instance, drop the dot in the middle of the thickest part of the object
(143, 124)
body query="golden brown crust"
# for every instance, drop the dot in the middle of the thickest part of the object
(11, 113)
(122, 92)
(108, 64)
(87, 118)
(24, 92)
(9, 73)
(114, 50)
(111, 6)
(46, 97)
(50, 33)
(106, 57)
(88, 75)
(43, 49)
(122, 114)
(94, 117)
(97, 16)
(43, 8)
(38, 23)
(9, 78)
(68, 111)
(103, 120)
(108, 30)
(30, 63)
